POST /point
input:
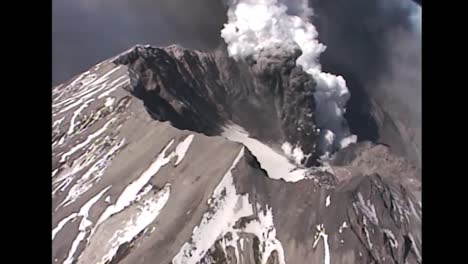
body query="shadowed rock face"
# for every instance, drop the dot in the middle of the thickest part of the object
(271, 98)
(141, 175)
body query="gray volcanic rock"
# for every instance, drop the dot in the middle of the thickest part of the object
(271, 98)
(147, 168)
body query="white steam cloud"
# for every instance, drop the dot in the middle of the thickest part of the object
(259, 27)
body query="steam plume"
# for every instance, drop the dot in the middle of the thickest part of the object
(259, 27)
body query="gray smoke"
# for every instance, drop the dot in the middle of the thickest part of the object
(376, 46)
(86, 32)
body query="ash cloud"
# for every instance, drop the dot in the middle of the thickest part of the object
(376, 46)
(373, 44)
(86, 32)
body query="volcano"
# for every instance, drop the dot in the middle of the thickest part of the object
(168, 155)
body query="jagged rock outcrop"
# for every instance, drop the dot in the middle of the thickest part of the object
(143, 172)
(271, 98)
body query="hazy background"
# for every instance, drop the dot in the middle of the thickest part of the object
(88, 31)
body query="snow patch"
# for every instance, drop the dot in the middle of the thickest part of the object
(276, 165)
(143, 192)
(321, 234)
(230, 242)
(62, 182)
(71, 128)
(327, 201)
(87, 89)
(415, 247)
(182, 148)
(67, 174)
(347, 141)
(343, 226)
(367, 209)
(87, 141)
(130, 193)
(84, 224)
(58, 122)
(227, 207)
(62, 223)
(148, 212)
(115, 86)
(265, 231)
(92, 176)
(109, 101)
(366, 232)
(391, 238)
(413, 210)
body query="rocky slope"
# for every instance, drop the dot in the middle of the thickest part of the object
(164, 155)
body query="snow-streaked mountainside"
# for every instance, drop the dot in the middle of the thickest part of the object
(165, 155)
